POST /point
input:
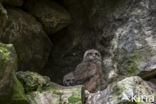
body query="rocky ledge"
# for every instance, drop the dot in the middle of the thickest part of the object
(33, 88)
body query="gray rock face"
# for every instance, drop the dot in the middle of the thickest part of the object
(52, 16)
(127, 91)
(133, 45)
(30, 41)
(132, 49)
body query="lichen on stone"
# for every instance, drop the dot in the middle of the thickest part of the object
(133, 67)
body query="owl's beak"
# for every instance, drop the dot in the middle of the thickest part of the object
(94, 55)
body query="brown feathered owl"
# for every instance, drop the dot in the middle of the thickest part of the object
(87, 73)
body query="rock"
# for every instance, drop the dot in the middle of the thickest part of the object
(40, 90)
(16, 3)
(52, 16)
(127, 91)
(132, 49)
(134, 46)
(3, 18)
(44, 97)
(32, 81)
(31, 42)
(64, 96)
(11, 90)
(8, 67)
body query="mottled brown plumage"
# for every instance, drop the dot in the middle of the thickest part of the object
(87, 73)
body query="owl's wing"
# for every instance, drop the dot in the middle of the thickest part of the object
(84, 71)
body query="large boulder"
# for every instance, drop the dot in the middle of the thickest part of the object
(64, 96)
(31, 42)
(132, 49)
(8, 63)
(40, 90)
(133, 43)
(130, 90)
(11, 90)
(52, 16)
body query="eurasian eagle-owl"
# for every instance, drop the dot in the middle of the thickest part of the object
(87, 73)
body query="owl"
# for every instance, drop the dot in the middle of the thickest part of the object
(87, 73)
(69, 79)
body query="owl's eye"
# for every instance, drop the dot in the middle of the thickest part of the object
(97, 54)
(68, 80)
(89, 54)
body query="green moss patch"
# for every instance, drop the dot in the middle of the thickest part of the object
(18, 96)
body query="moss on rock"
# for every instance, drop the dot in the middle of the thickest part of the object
(11, 90)
(18, 96)
(39, 87)
(33, 81)
(133, 67)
